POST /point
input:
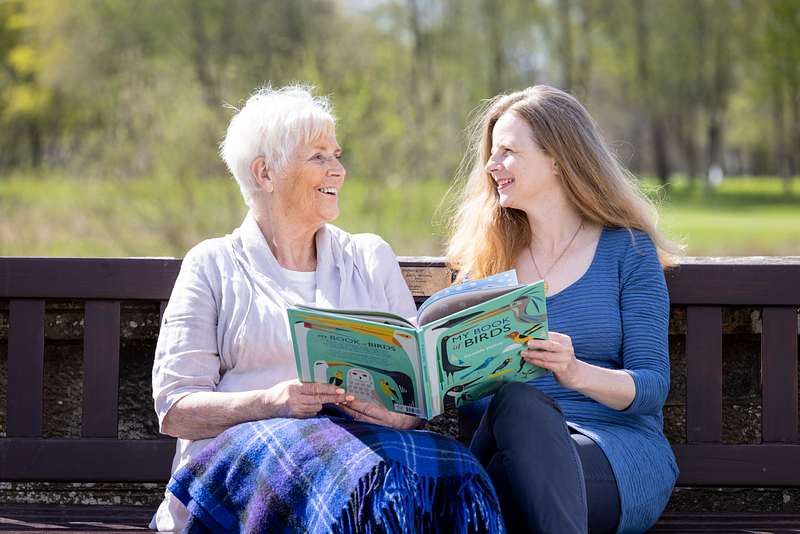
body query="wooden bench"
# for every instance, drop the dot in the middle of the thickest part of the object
(700, 289)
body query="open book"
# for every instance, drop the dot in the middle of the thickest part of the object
(467, 345)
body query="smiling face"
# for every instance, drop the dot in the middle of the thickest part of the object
(522, 170)
(309, 193)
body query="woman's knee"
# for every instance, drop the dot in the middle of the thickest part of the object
(522, 398)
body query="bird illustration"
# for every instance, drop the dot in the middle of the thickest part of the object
(321, 370)
(449, 398)
(481, 367)
(336, 379)
(518, 308)
(519, 338)
(521, 366)
(503, 365)
(403, 381)
(447, 366)
(389, 390)
(494, 387)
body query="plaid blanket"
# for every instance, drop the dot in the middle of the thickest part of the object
(330, 474)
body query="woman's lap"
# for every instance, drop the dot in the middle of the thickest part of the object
(565, 478)
(306, 475)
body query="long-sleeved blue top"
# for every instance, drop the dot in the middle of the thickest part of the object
(617, 315)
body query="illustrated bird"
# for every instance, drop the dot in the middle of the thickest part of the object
(403, 381)
(449, 398)
(481, 367)
(447, 366)
(321, 370)
(518, 338)
(503, 365)
(336, 379)
(389, 390)
(518, 308)
(494, 387)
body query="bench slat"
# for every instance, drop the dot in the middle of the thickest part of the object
(734, 285)
(779, 374)
(101, 369)
(86, 460)
(25, 368)
(703, 374)
(88, 278)
(738, 465)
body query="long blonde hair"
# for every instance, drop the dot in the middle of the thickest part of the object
(487, 239)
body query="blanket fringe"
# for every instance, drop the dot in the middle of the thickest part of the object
(391, 499)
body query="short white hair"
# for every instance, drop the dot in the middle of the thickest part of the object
(272, 123)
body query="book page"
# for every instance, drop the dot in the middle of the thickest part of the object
(477, 350)
(376, 363)
(449, 300)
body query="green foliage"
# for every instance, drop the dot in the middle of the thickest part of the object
(134, 93)
(166, 216)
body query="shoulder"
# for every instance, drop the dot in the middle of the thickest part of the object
(369, 248)
(206, 254)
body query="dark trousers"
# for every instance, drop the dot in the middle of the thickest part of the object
(548, 479)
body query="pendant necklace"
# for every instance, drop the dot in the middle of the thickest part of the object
(558, 258)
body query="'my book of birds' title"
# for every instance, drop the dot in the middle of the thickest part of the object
(467, 346)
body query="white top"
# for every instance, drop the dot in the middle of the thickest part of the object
(229, 302)
(305, 284)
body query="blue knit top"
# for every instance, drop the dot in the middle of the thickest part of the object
(617, 315)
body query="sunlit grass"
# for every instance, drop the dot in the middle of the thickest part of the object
(166, 216)
(741, 217)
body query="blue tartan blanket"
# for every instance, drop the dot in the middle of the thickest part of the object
(330, 474)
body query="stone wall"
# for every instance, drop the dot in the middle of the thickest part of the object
(139, 330)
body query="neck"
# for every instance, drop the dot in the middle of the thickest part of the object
(293, 245)
(552, 228)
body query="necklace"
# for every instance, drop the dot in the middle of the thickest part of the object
(558, 258)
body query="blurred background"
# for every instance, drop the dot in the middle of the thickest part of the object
(111, 111)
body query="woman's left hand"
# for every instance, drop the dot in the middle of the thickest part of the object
(369, 413)
(557, 355)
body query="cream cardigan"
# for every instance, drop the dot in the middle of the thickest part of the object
(225, 327)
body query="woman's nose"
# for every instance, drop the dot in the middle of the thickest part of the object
(492, 165)
(337, 169)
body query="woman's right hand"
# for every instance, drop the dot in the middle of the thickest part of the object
(301, 400)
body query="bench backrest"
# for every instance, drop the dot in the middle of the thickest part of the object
(98, 455)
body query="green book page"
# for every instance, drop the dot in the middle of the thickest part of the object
(474, 352)
(377, 363)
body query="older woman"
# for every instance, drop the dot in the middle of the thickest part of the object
(286, 458)
(580, 449)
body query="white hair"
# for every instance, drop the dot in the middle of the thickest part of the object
(272, 124)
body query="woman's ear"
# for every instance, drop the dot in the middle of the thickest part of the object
(262, 175)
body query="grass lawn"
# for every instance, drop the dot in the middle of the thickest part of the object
(742, 217)
(165, 216)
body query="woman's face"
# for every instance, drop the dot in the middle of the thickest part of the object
(522, 171)
(308, 194)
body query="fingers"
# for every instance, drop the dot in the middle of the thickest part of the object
(323, 393)
(549, 353)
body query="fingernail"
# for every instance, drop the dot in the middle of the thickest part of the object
(350, 398)
(339, 391)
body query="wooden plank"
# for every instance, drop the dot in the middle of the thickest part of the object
(88, 278)
(738, 465)
(728, 522)
(101, 369)
(25, 368)
(703, 374)
(86, 460)
(734, 285)
(73, 518)
(779, 374)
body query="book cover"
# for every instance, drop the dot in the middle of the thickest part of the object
(467, 345)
